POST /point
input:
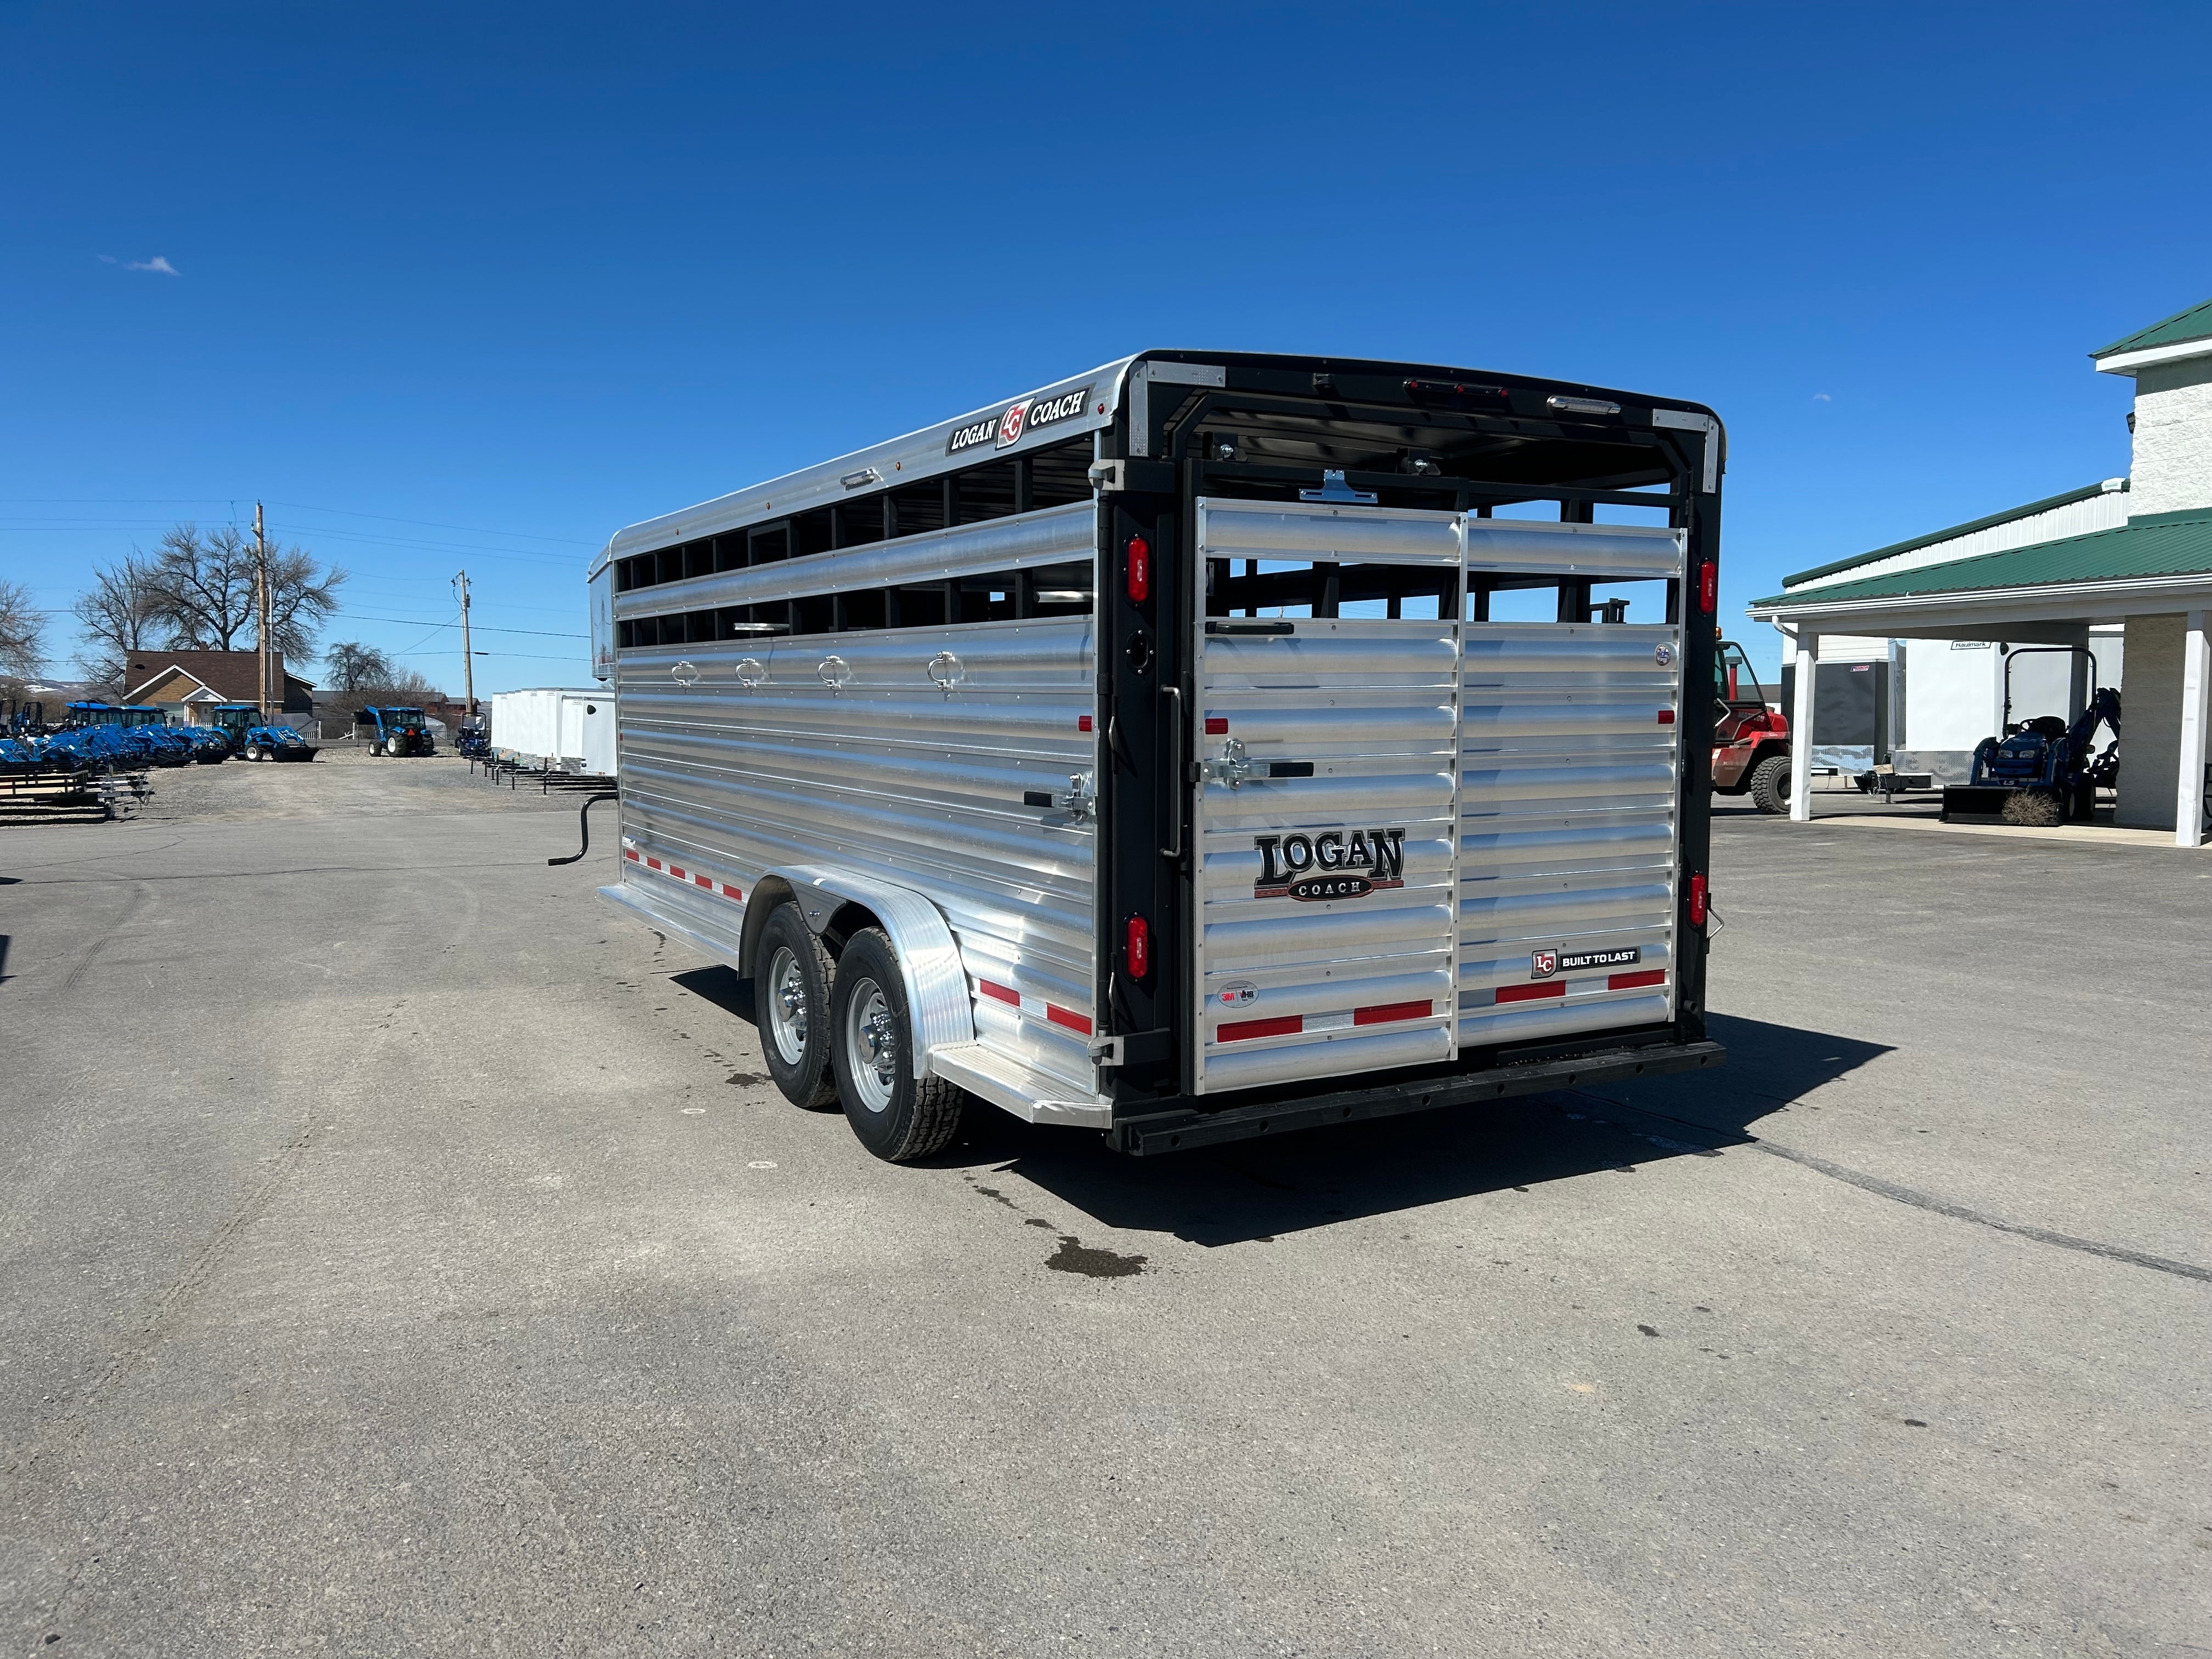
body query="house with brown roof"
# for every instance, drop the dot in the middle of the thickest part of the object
(186, 684)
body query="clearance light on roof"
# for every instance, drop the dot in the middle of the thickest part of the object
(1583, 405)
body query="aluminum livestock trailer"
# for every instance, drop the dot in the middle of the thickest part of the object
(1207, 746)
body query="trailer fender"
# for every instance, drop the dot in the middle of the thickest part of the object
(937, 993)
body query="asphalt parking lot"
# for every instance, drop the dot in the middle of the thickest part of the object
(400, 1252)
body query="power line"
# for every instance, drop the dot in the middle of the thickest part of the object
(432, 524)
(543, 633)
(297, 507)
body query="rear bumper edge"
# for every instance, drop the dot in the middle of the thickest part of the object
(1179, 1131)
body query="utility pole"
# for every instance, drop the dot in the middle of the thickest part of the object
(261, 603)
(468, 661)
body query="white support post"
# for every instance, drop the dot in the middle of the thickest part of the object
(2196, 683)
(1801, 728)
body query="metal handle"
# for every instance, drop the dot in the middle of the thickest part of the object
(1174, 848)
(584, 823)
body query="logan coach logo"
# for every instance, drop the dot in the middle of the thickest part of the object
(1004, 431)
(1334, 864)
(1543, 964)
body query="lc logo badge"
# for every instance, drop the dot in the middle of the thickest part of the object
(1543, 964)
(1010, 424)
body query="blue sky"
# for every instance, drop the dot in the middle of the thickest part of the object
(455, 286)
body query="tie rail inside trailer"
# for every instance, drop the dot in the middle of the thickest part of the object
(1207, 746)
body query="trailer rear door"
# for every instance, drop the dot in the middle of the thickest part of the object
(1327, 812)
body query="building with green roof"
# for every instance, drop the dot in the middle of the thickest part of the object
(2120, 570)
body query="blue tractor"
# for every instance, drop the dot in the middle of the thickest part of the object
(2044, 771)
(275, 742)
(396, 730)
(132, 734)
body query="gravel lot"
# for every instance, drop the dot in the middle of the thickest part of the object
(400, 1252)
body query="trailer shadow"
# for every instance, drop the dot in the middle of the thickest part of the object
(1263, 1189)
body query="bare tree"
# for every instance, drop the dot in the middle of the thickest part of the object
(120, 614)
(22, 633)
(395, 688)
(209, 603)
(353, 666)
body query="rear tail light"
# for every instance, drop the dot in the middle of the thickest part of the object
(1697, 901)
(1139, 570)
(1137, 947)
(1709, 587)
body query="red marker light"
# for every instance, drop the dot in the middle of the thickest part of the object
(1082, 722)
(1137, 948)
(1666, 717)
(1217, 725)
(1709, 587)
(1139, 570)
(1697, 901)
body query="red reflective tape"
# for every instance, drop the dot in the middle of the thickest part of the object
(653, 864)
(630, 852)
(1002, 992)
(1068, 1017)
(1630, 981)
(1239, 1030)
(730, 892)
(1666, 717)
(1217, 725)
(1531, 992)
(706, 882)
(1382, 1013)
(677, 871)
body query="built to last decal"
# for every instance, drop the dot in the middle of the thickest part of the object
(1004, 431)
(1543, 964)
(1331, 864)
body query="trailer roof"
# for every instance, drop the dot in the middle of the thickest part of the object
(913, 456)
(1053, 412)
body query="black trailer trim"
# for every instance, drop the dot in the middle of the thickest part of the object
(1180, 1131)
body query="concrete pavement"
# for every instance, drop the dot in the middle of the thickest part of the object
(400, 1252)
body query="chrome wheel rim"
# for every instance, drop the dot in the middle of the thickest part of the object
(871, 1046)
(786, 1005)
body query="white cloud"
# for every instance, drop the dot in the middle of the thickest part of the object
(157, 263)
(1818, 397)
(107, 259)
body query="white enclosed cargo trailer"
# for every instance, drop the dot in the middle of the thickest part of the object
(555, 729)
(1203, 746)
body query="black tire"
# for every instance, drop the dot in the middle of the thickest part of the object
(2035, 809)
(792, 977)
(1770, 785)
(897, 1116)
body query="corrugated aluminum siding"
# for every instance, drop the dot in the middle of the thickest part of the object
(886, 775)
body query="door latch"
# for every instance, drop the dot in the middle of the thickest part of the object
(1235, 765)
(1080, 799)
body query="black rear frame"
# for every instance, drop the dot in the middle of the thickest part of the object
(1413, 436)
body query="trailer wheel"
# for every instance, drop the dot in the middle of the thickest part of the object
(2035, 808)
(791, 999)
(1770, 785)
(897, 1116)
